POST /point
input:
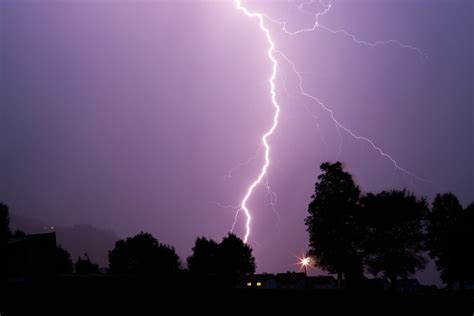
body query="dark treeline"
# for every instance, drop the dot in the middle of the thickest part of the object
(211, 263)
(140, 258)
(388, 233)
(351, 234)
(225, 263)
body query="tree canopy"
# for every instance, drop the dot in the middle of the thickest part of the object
(450, 231)
(143, 255)
(204, 259)
(5, 232)
(332, 222)
(235, 258)
(394, 239)
(228, 261)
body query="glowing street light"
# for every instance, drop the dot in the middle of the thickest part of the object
(306, 261)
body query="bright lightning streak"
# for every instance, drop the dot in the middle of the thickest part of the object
(271, 50)
(316, 25)
(344, 128)
(316, 20)
(271, 80)
(375, 44)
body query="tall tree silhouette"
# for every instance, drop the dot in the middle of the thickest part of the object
(450, 238)
(395, 239)
(143, 255)
(235, 260)
(5, 232)
(204, 260)
(332, 223)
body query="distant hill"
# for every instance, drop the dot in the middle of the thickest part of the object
(77, 239)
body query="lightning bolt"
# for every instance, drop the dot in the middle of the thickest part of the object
(271, 80)
(262, 176)
(316, 25)
(344, 128)
(241, 164)
(272, 198)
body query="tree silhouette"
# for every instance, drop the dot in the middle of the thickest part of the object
(5, 232)
(235, 259)
(466, 242)
(227, 262)
(441, 220)
(204, 260)
(63, 260)
(332, 223)
(143, 255)
(450, 235)
(395, 239)
(459, 255)
(85, 266)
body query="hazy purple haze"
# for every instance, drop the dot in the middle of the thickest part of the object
(129, 115)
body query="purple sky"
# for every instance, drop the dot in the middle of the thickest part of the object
(129, 115)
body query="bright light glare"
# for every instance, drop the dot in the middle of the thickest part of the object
(305, 261)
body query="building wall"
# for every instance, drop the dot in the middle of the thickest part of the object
(32, 256)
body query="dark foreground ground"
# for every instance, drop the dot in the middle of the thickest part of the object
(129, 297)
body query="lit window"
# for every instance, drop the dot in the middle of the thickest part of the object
(249, 283)
(259, 284)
